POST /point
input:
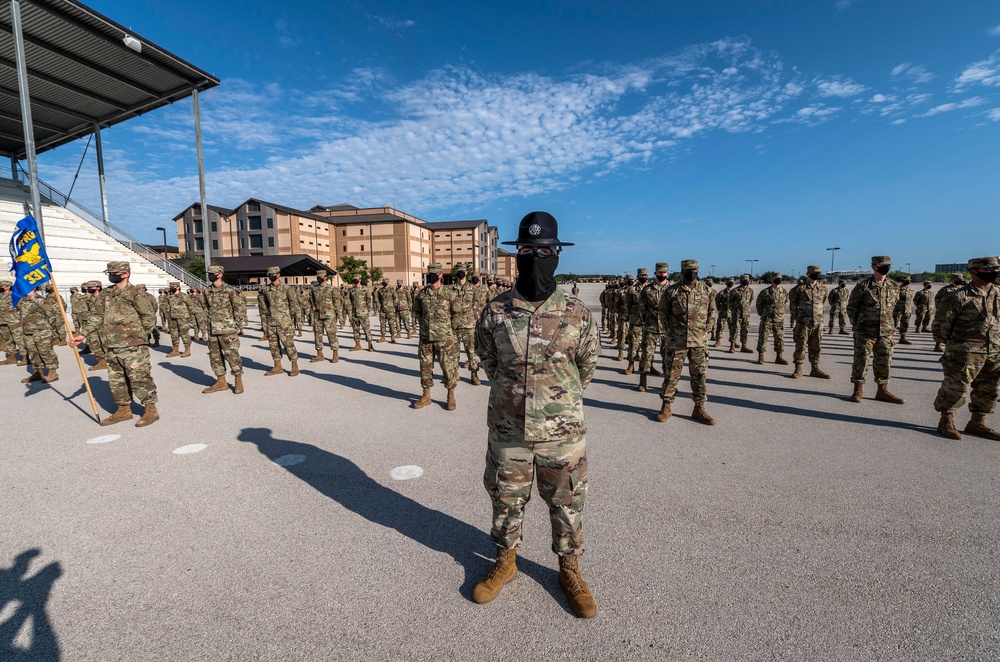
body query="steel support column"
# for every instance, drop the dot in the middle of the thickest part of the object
(100, 178)
(26, 123)
(206, 226)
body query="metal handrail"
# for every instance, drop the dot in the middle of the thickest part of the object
(54, 196)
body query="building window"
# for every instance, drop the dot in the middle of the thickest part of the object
(197, 227)
(242, 243)
(362, 248)
(199, 244)
(344, 232)
(253, 205)
(270, 242)
(189, 245)
(215, 244)
(362, 232)
(239, 224)
(256, 241)
(270, 224)
(215, 226)
(254, 222)
(344, 249)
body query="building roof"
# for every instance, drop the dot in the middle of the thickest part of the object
(455, 225)
(222, 211)
(287, 210)
(341, 207)
(256, 265)
(504, 253)
(80, 73)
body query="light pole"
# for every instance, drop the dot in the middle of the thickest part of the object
(907, 268)
(164, 231)
(833, 252)
(751, 266)
(713, 271)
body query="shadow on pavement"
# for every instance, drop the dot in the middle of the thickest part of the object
(29, 594)
(343, 481)
(830, 416)
(361, 385)
(190, 373)
(378, 365)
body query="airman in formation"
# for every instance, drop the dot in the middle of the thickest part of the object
(276, 303)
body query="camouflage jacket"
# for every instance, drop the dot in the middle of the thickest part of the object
(36, 314)
(633, 303)
(324, 300)
(806, 302)
(404, 298)
(539, 362)
(94, 321)
(75, 302)
(905, 303)
(56, 315)
(650, 298)
(968, 320)
(197, 304)
(482, 299)
(357, 298)
(871, 307)
(151, 299)
(387, 299)
(180, 307)
(771, 302)
(128, 317)
(164, 299)
(722, 301)
(838, 299)
(227, 309)
(622, 302)
(740, 300)
(684, 314)
(945, 291)
(277, 303)
(8, 314)
(465, 300)
(923, 299)
(436, 310)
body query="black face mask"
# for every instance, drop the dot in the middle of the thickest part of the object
(660, 277)
(460, 275)
(813, 275)
(690, 276)
(643, 279)
(776, 281)
(988, 276)
(321, 280)
(273, 277)
(173, 290)
(433, 278)
(475, 280)
(536, 276)
(115, 278)
(883, 269)
(744, 282)
(218, 277)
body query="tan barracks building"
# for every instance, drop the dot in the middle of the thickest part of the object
(400, 244)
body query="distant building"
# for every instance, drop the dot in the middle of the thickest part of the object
(506, 265)
(951, 268)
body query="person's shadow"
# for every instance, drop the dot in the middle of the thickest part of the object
(343, 481)
(30, 594)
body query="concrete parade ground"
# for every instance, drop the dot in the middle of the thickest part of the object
(320, 517)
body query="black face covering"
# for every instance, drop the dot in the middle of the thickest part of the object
(776, 281)
(536, 276)
(690, 276)
(813, 275)
(988, 276)
(273, 277)
(115, 278)
(475, 280)
(883, 269)
(744, 282)
(460, 274)
(660, 277)
(433, 278)
(173, 290)
(643, 279)
(216, 277)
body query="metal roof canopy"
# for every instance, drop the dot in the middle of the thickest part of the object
(82, 74)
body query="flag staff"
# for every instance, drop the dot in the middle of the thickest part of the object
(76, 350)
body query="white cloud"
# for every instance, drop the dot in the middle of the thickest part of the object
(915, 73)
(879, 98)
(994, 114)
(995, 32)
(898, 122)
(841, 5)
(971, 102)
(984, 72)
(839, 87)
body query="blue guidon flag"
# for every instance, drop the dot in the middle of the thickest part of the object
(31, 264)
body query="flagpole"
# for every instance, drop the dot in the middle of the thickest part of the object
(76, 351)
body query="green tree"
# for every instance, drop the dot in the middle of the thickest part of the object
(192, 263)
(375, 274)
(352, 266)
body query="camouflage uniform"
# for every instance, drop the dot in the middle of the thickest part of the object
(325, 301)
(838, 306)
(164, 309)
(771, 303)
(36, 325)
(128, 319)
(464, 323)
(740, 300)
(622, 316)
(539, 361)
(924, 303)
(652, 339)
(901, 313)
(56, 319)
(154, 333)
(870, 309)
(344, 314)
(180, 312)
(436, 309)
(385, 298)
(685, 309)
(276, 303)
(404, 299)
(603, 298)
(968, 321)
(199, 314)
(633, 304)
(357, 299)
(93, 325)
(10, 326)
(806, 304)
(722, 307)
(77, 307)
(227, 314)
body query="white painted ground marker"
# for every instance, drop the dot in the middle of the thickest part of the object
(289, 460)
(190, 448)
(104, 439)
(407, 472)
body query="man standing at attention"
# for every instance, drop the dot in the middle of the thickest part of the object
(277, 302)
(806, 305)
(226, 314)
(539, 349)
(771, 302)
(464, 321)
(871, 308)
(436, 309)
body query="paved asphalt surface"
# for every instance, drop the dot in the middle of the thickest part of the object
(802, 526)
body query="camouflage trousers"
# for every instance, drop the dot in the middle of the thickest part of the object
(902, 321)
(447, 353)
(13, 339)
(633, 344)
(40, 350)
(387, 322)
(327, 327)
(775, 326)
(281, 336)
(129, 374)
(865, 347)
(560, 468)
(720, 323)
(651, 341)
(924, 317)
(225, 348)
(359, 324)
(604, 318)
(964, 371)
(343, 317)
(673, 360)
(201, 324)
(180, 329)
(467, 338)
(743, 323)
(622, 331)
(77, 321)
(839, 316)
(811, 334)
(96, 344)
(403, 320)
(297, 321)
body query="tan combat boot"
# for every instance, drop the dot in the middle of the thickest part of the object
(450, 406)
(946, 426)
(664, 412)
(357, 346)
(219, 385)
(424, 400)
(732, 347)
(276, 370)
(780, 359)
(382, 339)
(319, 357)
(52, 376)
(580, 598)
(36, 376)
(621, 355)
(699, 414)
(409, 334)
(816, 372)
(100, 365)
(475, 378)
(295, 368)
(642, 383)
(336, 356)
(760, 358)
(238, 386)
(123, 413)
(746, 350)
(977, 426)
(149, 416)
(371, 347)
(859, 392)
(903, 340)
(937, 346)
(843, 332)
(503, 572)
(798, 371)
(10, 360)
(884, 395)
(175, 351)
(630, 368)
(187, 351)
(718, 341)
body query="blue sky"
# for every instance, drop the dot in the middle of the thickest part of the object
(723, 131)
